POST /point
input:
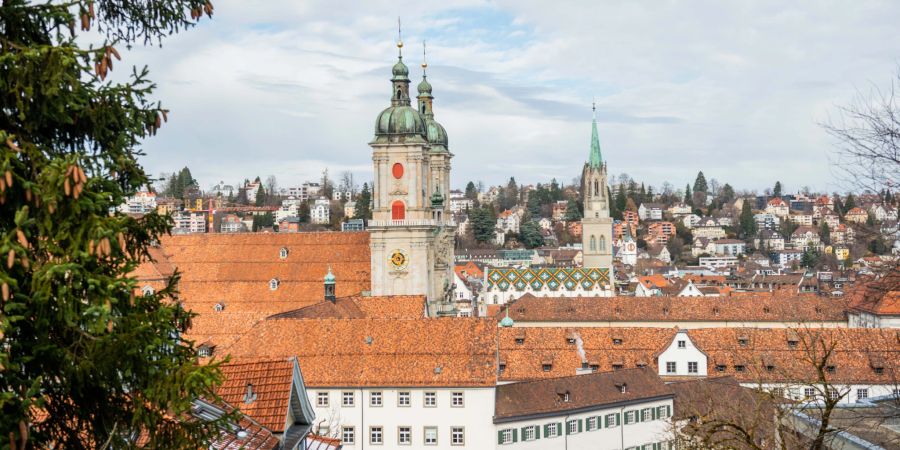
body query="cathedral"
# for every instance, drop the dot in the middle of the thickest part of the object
(411, 241)
(596, 226)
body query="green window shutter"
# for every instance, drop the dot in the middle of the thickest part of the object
(655, 414)
(668, 410)
(567, 428)
(515, 435)
(656, 446)
(580, 425)
(500, 437)
(618, 419)
(537, 432)
(524, 434)
(559, 428)
(547, 430)
(606, 420)
(628, 417)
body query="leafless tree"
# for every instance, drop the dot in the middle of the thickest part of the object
(271, 185)
(867, 135)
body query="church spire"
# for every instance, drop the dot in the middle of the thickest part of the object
(595, 159)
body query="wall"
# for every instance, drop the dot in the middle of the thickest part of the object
(681, 357)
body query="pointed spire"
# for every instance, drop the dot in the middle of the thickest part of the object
(399, 40)
(596, 160)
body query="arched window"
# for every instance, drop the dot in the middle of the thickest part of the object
(596, 187)
(273, 284)
(593, 243)
(283, 253)
(602, 243)
(398, 210)
(147, 290)
(398, 94)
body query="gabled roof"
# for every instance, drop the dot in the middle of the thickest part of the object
(379, 307)
(270, 380)
(535, 398)
(879, 296)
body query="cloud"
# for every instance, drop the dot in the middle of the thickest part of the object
(733, 89)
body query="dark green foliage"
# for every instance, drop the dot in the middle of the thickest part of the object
(849, 203)
(700, 183)
(838, 205)
(303, 212)
(530, 234)
(483, 224)
(471, 191)
(878, 246)
(747, 224)
(572, 211)
(86, 360)
(261, 196)
(509, 196)
(688, 197)
(727, 193)
(179, 184)
(810, 259)
(621, 199)
(614, 210)
(777, 191)
(363, 204)
(824, 233)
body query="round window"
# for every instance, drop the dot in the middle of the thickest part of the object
(397, 170)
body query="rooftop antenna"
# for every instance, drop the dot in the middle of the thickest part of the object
(399, 39)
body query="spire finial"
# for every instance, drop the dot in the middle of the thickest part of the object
(594, 107)
(399, 39)
(424, 60)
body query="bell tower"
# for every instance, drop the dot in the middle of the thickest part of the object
(410, 250)
(597, 231)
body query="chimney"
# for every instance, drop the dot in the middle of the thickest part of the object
(329, 286)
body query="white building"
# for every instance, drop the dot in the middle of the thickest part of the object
(189, 222)
(320, 212)
(290, 209)
(714, 262)
(508, 222)
(459, 202)
(624, 409)
(139, 203)
(680, 209)
(730, 247)
(691, 220)
(650, 211)
(305, 191)
(785, 258)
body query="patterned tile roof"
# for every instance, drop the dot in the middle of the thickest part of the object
(595, 389)
(271, 381)
(750, 307)
(554, 279)
(378, 352)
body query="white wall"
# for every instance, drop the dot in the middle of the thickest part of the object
(681, 357)
(475, 416)
(606, 438)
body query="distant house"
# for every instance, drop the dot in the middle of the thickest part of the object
(680, 209)
(631, 218)
(883, 212)
(801, 219)
(659, 252)
(508, 222)
(320, 212)
(769, 240)
(690, 220)
(857, 215)
(289, 225)
(703, 246)
(711, 232)
(785, 258)
(650, 211)
(353, 225)
(766, 220)
(558, 209)
(730, 247)
(806, 238)
(778, 207)
(231, 223)
(349, 209)
(545, 223)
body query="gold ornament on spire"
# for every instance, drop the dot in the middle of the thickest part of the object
(424, 60)
(399, 37)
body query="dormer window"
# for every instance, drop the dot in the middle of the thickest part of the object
(623, 388)
(765, 309)
(204, 351)
(682, 344)
(738, 367)
(273, 284)
(716, 310)
(547, 364)
(520, 337)
(743, 341)
(147, 290)
(570, 337)
(617, 338)
(830, 369)
(501, 366)
(283, 253)
(563, 396)
(219, 307)
(720, 367)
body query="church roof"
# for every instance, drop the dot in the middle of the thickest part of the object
(596, 158)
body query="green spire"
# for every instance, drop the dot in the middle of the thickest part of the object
(595, 160)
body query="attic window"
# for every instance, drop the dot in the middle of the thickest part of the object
(564, 396)
(738, 367)
(818, 310)
(716, 310)
(830, 369)
(720, 367)
(743, 341)
(219, 307)
(204, 351)
(766, 309)
(283, 253)
(273, 284)
(666, 311)
(570, 337)
(147, 290)
(878, 370)
(617, 339)
(520, 337)
(594, 366)
(792, 343)
(546, 364)
(641, 363)
(623, 388)
(501, 366)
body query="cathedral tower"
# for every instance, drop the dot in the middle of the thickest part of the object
(412, 251)
(597, 231)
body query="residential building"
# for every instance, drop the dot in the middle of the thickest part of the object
(558, 210)
(703, 246)
(661, 231)
(305, 191)
(884, 212)
(730, 247)
(631, 218)
(350, 209)
(287, 209)
(690, 220)
(231, 223)
(856, 215)
(801, 219)
(651, 211)
(716, 262)
(680, 209)
(875, 303)
(508, 222)
(766, 221)
(139, 203)
(660, 252)
(769, 240)
(320, 211)
(806, 238)
(709, 232)
(459, 202)
(624, 409)
(341, 194)
(787, 257)
(353, 225)
(289, 225)
(777, 207)
(222, 190)
(190, 222)
(545, 224)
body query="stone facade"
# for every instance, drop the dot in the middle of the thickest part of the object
(597, 230)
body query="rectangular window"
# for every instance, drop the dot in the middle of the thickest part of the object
(611, 421)
(809, 392)
(403, 398)
(457, 399)
(572, 427)
(862, 393)
(778, 392)
(348, 435)
(404, 435)
(630, 417)
(593, 423)
(646, 414)
(832, 394)
(376, 435)
(670, 367)
(348, 399)
(553, 430)
(506, 436)
(529, 433)
(430, 399)
(692, 367)
(375, 399)
(662, 412)
(682, 344)
(322, 399)
(430, 435)
(457, 436)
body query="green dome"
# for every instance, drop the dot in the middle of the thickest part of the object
(424, 87)
(401, 72)
(507, 321)
(435, 133)
(329, 278)
(402, 119)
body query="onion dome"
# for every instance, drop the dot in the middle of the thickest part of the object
(329, 277)
(401, 119)
(400, 71)
(507, 321)
(436, 134)
(424, 87)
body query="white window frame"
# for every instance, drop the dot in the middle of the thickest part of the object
(457, 399)
(809, 392)
(373, 395)
(506, 436)
(400, 432)
(553, 430)
(425, 435)
(273, 284)
(862, 393)
(646, 414)
(693, 367)
(662, 412)
(380, 431)
(614, 420)
(530, 433)
(322, 399)
(429, 397)
(572, 426)
(348, 435)
(682, 344)
(348, 395)
(404, 399)
(671, 367)
(592, 423)
(461, 431)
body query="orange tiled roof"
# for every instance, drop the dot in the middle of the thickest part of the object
(857, 352)
(880, 296)
(653, 281)
(271, 379)
(378, 352)
(380, 307)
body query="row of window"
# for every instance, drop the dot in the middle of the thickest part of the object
(376, 399)
(377, 435)
(672, 367)
(575, 426)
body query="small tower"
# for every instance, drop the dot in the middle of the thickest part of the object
(329, 286)
(597, 232)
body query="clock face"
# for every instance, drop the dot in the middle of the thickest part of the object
(630, 246)
(399, 260)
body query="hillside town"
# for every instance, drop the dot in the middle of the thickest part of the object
(421, 308)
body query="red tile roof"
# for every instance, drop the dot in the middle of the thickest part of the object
(381, 307)
(271, 379)
(378, 352)
(879, 296)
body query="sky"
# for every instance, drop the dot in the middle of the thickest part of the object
(736, 89)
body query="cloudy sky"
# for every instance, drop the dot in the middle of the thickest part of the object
(736, 89)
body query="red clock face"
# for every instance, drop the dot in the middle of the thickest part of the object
(397, 170)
